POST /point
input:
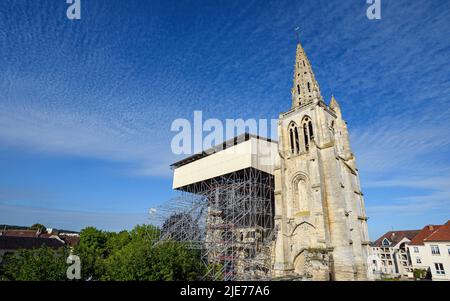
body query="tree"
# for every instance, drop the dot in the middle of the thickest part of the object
(132, 262)
(139, 261)
(175, 262)
(38, 227)
(147, 233)
(42, 264)
(92, 250)
(124, 256)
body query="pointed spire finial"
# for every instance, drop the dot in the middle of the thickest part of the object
(334, 105)
(305, 89)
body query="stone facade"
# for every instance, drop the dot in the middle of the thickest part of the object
(320, 217)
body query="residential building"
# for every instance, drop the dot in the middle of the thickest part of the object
(392, 251)
(15, 240)
(430, 251)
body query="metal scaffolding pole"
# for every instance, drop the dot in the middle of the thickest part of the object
(230, 219)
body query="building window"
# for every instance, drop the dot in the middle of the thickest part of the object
(309, 87)
(435, 250)
(386, 242)
(291, 133)
(294, 139)
(307, 131)
(448, 249)
(418, 260)
(301, 199)
(298, 89)
(305, 134)
(416, 249)
(311, 133)
(439, 268)
(297, 141)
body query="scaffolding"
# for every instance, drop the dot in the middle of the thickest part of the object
(229, 218)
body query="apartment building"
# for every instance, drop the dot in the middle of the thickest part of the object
(391, 253)
(430, 251)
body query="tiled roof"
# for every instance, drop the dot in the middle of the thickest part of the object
(424, 234)
(395, 237)
(70, 240)
(441, 234)
(20, 233)
(20, 242)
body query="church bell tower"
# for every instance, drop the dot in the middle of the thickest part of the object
(320, 216)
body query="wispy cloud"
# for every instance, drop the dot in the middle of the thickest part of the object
(103, 95)
(58, 132)
(405, 165)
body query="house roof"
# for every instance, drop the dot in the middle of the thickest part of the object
(70, 240)
(424, 234)
(441, 234)
(394, 237)
(20, 233)
(26, 233)
(20, 242)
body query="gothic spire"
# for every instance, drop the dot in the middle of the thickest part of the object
(334, 105)
(305, 89)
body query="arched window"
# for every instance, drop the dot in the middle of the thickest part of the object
(291, 134)
(311, 133)
(300, 200)
(305, 133)
(297, 141)
(294, 138)
(308, 132)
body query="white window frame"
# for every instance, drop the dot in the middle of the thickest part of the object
(416, 249)
(439, 268)
(435, 250)
(388, 242)
(418, 260)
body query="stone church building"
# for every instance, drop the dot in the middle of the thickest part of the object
(317, 218)
(319, 207)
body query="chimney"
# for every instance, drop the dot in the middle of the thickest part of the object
(430, 227)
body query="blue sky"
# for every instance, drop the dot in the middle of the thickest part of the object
(86, 106)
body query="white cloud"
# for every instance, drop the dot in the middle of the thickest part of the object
(83, 135)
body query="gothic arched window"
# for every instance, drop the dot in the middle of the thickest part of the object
(308, 132)
(294, 138)
(300, 201)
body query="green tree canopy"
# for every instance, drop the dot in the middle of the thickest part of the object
(42, 264)
(38, 227)
(124, 256)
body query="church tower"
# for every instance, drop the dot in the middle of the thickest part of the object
(320, 217)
